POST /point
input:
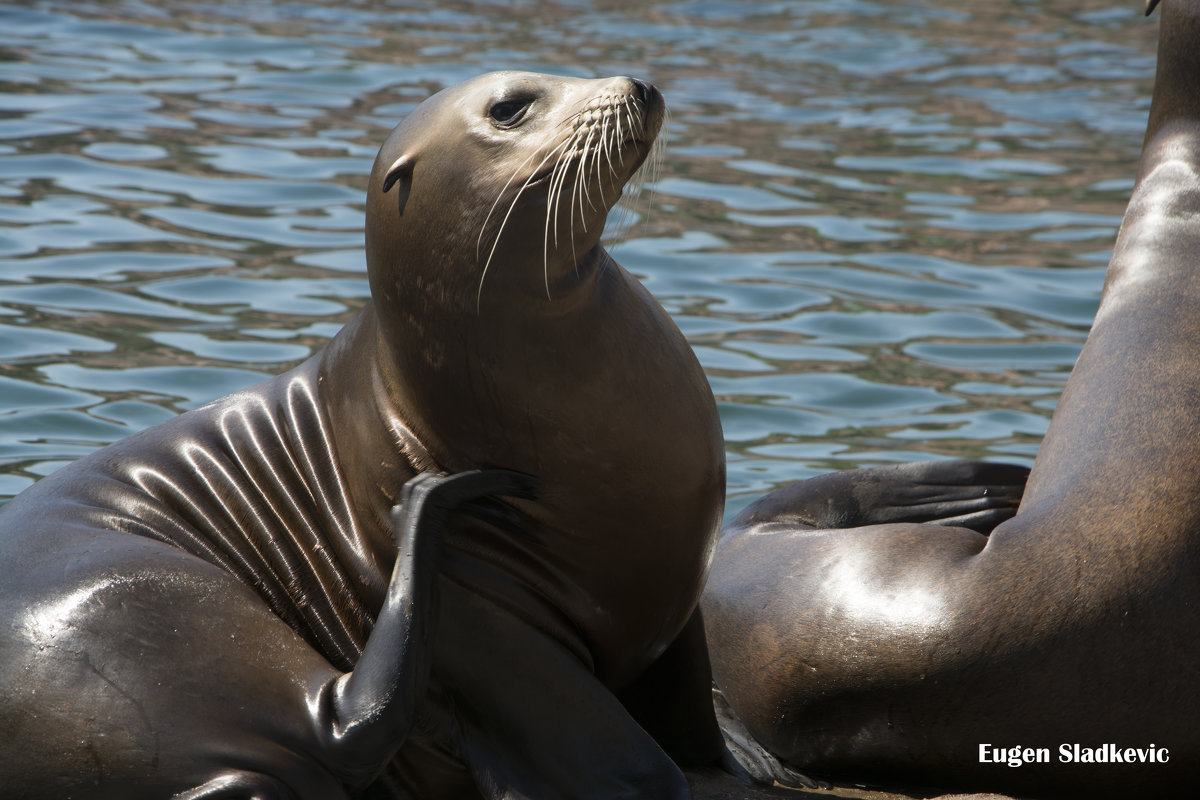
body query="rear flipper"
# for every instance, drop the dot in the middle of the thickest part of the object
(751, 757)
(970, 494)
(365, 715)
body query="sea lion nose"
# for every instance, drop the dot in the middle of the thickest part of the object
(642, 91)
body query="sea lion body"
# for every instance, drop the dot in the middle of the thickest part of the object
(911, 653)
(184, 600)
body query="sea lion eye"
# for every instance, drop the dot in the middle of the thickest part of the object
(509, 112)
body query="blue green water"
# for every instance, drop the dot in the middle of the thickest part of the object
(882, 225)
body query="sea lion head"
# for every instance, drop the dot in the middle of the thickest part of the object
(503, 184)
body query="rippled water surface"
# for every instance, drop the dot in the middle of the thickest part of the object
(883, 225)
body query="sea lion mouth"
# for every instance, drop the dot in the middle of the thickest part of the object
(541, 178)
(623, 149)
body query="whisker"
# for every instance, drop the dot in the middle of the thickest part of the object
(500, 195)
(553, 202)
(639, 200)
(588, 148)
(622, 113)
(607, 144)
(657, 157)
(577, 199)
(602, 149)
(503, 223)
(564, 167)
(580, 173)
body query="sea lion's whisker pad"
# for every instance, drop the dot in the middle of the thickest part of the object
(583, 162)
(248, 625)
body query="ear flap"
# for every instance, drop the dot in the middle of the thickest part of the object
(399, 174)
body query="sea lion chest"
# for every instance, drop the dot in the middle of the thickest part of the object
(606, 405)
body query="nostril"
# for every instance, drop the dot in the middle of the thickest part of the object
(641, 90)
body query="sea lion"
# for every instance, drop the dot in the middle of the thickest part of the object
(204, 608)
(927, 654)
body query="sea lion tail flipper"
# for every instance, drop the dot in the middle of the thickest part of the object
(367, 713)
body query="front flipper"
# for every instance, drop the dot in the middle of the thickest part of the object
(365, 715)
(672, 701)
(970, 494)
(530, 719)
(676, 703)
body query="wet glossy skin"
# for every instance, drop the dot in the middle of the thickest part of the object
(185, 602)
(894, 651)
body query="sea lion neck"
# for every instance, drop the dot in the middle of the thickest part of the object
(419, 361)
(414, 410)
(372, 437)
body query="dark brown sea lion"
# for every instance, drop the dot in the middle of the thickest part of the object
(197, 609)
(936, 655)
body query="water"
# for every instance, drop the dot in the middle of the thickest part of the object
(882, 225)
